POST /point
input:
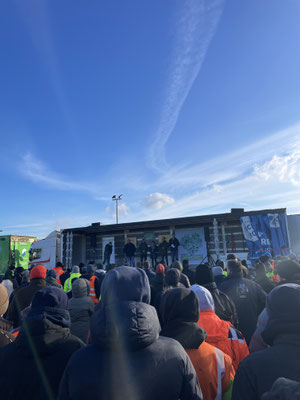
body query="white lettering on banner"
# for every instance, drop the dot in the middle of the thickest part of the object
(248, 230)
(274, 220)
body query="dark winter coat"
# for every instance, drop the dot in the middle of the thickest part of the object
(108, 249)
(51, 281)
(174, 243)
(129, 250)
(143, 248)
(224, 306)
(153, 251)
(257, 373)
(81, 308)
(163, 247)
(184, 280)
(190, 274)
(266, 284)
(22, 299)
(64, 277)
(33, 369)
(249, 299)
(127, 359)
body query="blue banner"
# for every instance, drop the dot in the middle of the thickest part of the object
(266, 234)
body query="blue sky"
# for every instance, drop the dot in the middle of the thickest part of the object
(186, 107)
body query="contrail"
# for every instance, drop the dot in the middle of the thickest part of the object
(195, 29)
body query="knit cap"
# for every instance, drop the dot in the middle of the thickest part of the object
(205, 298)
(39, 271)
(160, 269)
(4, 300)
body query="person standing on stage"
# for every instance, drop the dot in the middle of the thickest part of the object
(107, 253)
(153, 253)
(129, 252)
(143, 248)
(174, 244)
(163, 249)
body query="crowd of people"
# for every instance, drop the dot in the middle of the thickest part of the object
(222, 331)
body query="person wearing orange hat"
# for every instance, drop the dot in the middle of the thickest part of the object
(22, 297)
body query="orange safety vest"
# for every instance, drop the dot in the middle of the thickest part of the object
(214, 370)
(222, 335)
(92, 291)
(59, 271)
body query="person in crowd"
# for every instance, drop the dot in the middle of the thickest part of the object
(153, 253)
(218, 276)
(65, 276)
(183, 278)
(283, 389)
(261, 277)
(94, 283)
(157, 286)
(257, 373)
(180, 311)
(143, 249)
(187, 271)
(149, 272)
(125, 362)
(35, 361)
(220, 263)
(5, 326)
(174, 244)
(163, 250)
(248, 297)
(51, 279)
(129, 252)
(10, 272)
(25, 278)
(81, 308)
(224, 306)
(288, 271)
(23, 296)
(231, 256)
(75, 274)
(108, 249)
(19, 272)
(7, 283)
(220, 334)
(172, 278)
(100, 274)
(257, 343)
(82, 268)
(59, 270)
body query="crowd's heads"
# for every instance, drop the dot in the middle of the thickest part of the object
(177, 265)
(125, 284)
(38, 272)
(288, 270)
(205, 298)
(179, 304)
(25, 277)
(204, 274)
(234, 267)
(99, 266)
(75, 269)
(91, 268)
(217, 271)
(220, 263)
(59, 265)
(51, 274)
(80, 288)
(4, 300)
(50, 303)
(231, 256)
(172, 277)
(160, 269)
(185, 264)
(147, 265)
(283, 309)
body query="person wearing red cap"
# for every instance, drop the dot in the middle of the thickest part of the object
(157, 286)
(23, 296)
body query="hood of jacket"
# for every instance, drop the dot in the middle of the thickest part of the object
(44, 337)
(125, 320)
(179, 310)
(80, 288)
(283, 309)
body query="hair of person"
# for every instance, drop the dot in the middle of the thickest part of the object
(185, 263)
(147, 264)
(59, 264)
(177, 265)
(244, 263)
(234, 266)
(231, 256)
(220, 263)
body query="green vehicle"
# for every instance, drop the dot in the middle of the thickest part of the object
(14, 249)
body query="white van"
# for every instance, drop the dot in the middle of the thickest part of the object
(45, 251)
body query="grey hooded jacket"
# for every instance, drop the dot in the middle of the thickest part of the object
(81, 308)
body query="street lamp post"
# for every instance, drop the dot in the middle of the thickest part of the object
(116, 199)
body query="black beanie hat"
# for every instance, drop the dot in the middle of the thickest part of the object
(287, 269)
(204, 274)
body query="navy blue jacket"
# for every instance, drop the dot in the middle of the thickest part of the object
(249, 299)
(127, 359)
(257, 372)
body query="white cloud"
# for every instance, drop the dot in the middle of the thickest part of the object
(123, 210)
(157, 200)
(196, 26)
